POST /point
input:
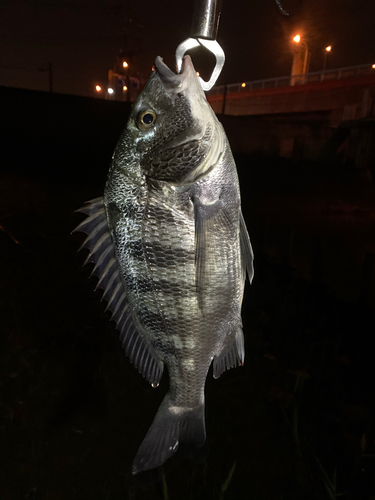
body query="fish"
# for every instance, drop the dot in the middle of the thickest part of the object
(171, 251)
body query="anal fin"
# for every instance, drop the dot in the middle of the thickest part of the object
(232, 355)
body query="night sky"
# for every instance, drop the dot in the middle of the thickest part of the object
(81, 38)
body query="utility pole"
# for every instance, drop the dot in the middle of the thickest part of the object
(50, 77)
(224, 99)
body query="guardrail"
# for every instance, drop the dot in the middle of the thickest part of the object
(285, 81)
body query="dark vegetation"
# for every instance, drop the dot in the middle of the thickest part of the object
(295, 423)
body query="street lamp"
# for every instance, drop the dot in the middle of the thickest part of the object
(300, 59)
(125, 65)
(305, 52)
(98, 88)
(326, 51)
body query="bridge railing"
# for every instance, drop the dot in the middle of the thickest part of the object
(285, 81)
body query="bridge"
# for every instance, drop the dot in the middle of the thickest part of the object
(349, 92)
(326, 116)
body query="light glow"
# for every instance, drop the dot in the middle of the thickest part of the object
(329, 48)
(297, 38)
(98, 88)
(110, 90)
(373, 66)
(125, 64)
(243, 84)
(124, 88)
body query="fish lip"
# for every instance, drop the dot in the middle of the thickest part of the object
(168, 77)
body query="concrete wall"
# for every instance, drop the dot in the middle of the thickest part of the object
(302, 137)
(61, 136)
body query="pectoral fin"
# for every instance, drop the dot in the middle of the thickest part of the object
(201, 250)
(208, 218)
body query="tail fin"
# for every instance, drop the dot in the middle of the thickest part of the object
(171, 425)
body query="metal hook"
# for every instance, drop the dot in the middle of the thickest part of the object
(203, 33)
(210, 45)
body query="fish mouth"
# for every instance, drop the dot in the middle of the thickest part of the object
(172, 80)
(186, 84)
(203, 129)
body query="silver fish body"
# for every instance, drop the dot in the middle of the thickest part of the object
(172, 251)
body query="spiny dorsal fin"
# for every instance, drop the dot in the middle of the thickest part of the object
(102, 253)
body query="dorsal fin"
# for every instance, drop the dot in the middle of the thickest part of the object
(247, 255)
(102, 253)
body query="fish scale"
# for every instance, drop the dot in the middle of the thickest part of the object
(171, 250)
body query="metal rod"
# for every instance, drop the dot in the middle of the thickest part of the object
(206, 19)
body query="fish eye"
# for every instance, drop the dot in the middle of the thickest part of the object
(146, 119)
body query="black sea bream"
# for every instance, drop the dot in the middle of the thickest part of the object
(171, 252)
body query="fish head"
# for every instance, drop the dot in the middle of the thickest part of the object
(172, 127)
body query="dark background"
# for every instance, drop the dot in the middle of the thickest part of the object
(296, 422)
(81, 38)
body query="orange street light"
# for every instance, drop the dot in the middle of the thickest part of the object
(98, 88)
(373, 66)
(243, 84)
(326, 51)
(125, 64)
(301, 58)
(124, 88)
